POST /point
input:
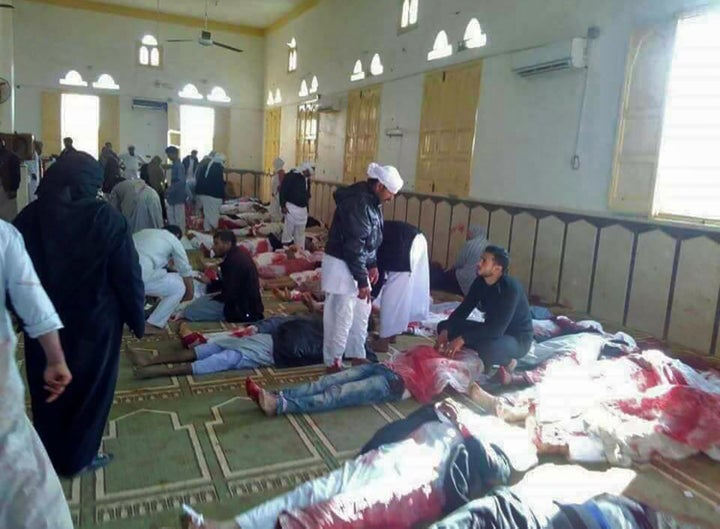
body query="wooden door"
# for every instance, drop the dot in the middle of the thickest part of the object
(447, 130)
(272, 138)
(307, 133)
(361, 132)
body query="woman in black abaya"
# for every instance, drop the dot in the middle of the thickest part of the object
(86, 261)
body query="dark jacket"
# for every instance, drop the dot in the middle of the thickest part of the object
(212, 185)
(186, 162)
(9, 171)
(239, 287)
(356, 232)
(295, 189)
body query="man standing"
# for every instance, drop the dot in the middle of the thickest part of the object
(107, 153)
(35, 170)
(176, 193)
(68, 147)
(156, 248)
(403, 288)
(139, 204)
(9, 182)
(350, 263)
(190, 163)
(32, 497)
(236, 295)
(294, 200)
(507, 332)
(210, 191)
(130, 163)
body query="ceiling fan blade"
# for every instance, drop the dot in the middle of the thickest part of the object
(216, 43)
(180, 40)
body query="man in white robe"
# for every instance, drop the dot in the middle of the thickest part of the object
(278, 175)
(30, 493)
(156, 248)
(350, 264)
(403, 290)
(34, 168)
(130, 163)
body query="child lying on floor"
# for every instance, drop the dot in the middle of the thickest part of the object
(420, 372)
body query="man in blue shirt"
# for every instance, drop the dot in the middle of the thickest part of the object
(176, 193)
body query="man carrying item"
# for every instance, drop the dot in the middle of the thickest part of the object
(350, 263)
(294, 200)
(156, 248)
(235, 296)
(507, 332)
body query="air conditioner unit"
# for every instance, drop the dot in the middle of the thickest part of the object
(149, 104)
(328, 105)
(565, 55)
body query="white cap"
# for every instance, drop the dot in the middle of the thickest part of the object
(387, 175)
(307, 166)
(278, 164)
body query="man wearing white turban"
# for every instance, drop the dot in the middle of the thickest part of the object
(350, 263)
(294, 201)
(210, 191)
(277, 179)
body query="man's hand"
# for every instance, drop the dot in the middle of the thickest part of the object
(57, 376)
(373, 275)
(453, 347)
(441, 341)
(189, 289)
(364, 293)
(205, 280)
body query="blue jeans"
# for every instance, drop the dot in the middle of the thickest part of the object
(205, 308)
(229, 353)
(365, 384)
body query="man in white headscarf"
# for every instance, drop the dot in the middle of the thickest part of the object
(294, 201)
(350, 264)
(210, 190)
(277, 179)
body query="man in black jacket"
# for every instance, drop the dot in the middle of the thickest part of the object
(350, 263)
(507, 332)
(210, 190)
(294, 200)
(9, 182)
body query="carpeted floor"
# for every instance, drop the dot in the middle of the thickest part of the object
(202, 441)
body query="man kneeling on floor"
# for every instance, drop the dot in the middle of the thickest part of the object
(235, 296)
(507, 332)
(156, 248)
(282, 341)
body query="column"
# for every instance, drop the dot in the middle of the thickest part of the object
(7, 109)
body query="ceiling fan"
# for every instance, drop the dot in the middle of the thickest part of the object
(206, 37)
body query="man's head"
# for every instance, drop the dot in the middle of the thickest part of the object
(193, 153)
(493, 263)
(175, 230)
(173, 153)
(131, 150)
(38, 146)
(385, 181)
(108, 145)
(223, 241)
(67, 142)
(307, 169)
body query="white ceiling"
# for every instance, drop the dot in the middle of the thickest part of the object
(256, 13)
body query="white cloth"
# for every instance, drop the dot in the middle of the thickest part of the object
(278, 163)
(211, 211)
(155, 248)
(176, 216)
(169, 287)
(30, 493)
(275, 211)
(306, 166)
(405, 296)
(387, 175)
(345, 316)
(295, 222)
(34, 167)
(132, 165)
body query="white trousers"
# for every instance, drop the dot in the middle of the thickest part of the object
(211, 211)
(345, 321)
(170, 289)
(405, 296)
(176, 216)
(294, 228)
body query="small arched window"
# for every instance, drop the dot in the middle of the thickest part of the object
(149, 52)
(278, 96)
(376, 65)
(190, 91)
(270, 100)
(314, 85)
(73, 78)
(358, 73)
(292, 55)
(441, 48)
(105, 81)
(218, 95)
(409, 14)
(303, 89)
(474, 36)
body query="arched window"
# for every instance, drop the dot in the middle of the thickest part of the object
(314, 85)
(441, 48)
(278, 96)
(218, 95)
(73, 78)
(292, 55)
(105, 81)
(409, 14)
(376, 65)
(149, 52)
(474, 36)
(190, 91)
(358, 73)
(303, 89)
(270, 99)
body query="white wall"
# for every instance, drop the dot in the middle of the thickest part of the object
(50, 40)
(525, 129)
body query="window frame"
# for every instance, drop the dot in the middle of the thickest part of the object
(292, 57)
(139, 46)
(411, 25)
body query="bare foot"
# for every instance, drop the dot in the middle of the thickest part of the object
(139, 358)
(184, 329)
(267, 402)
(152, 330)
(479, 396)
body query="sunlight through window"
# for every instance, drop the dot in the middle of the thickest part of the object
(441, 48)
(197, 129)
(80, 120)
